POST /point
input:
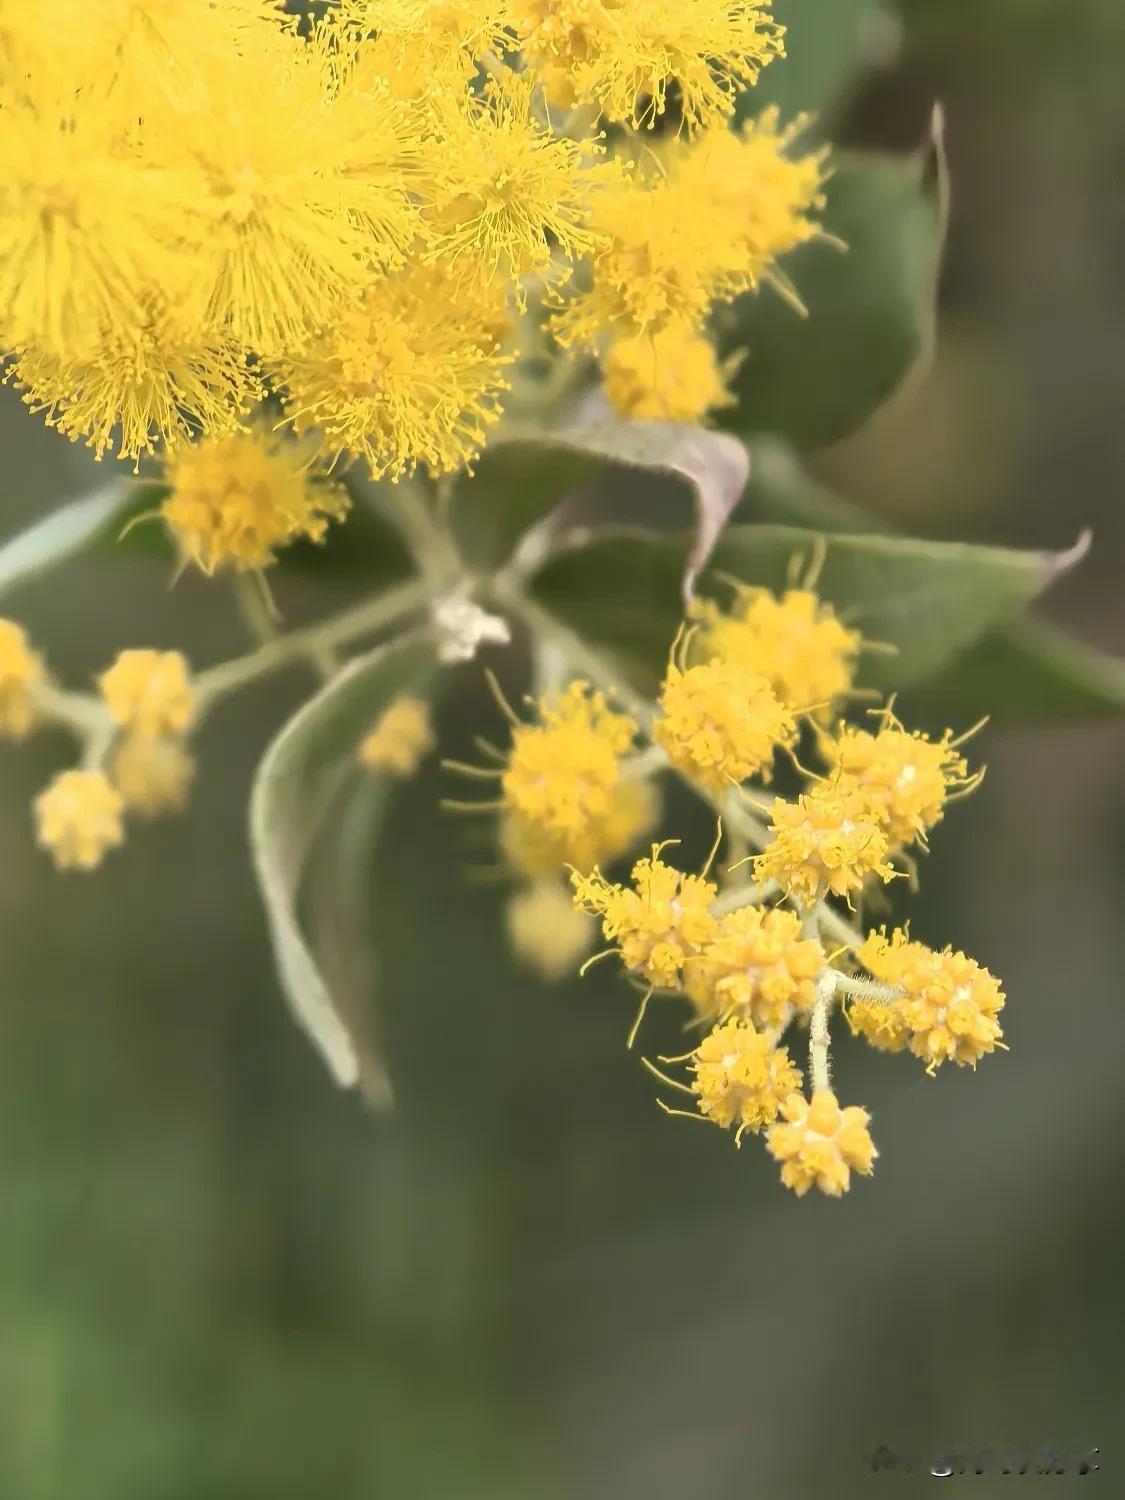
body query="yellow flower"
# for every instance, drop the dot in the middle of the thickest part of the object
(547, 931)
(906, 777)
(658, 923)
(400, 739)
(741, 1078)
(78, 818)
(820, 1144)
(21, 669)
(827, 842)
(625, 55)
(671, 375)
(235, 500)
(720, 723)
(881, 1024)
(535, 850)
(149, 692)
(410, 373)
(154, 776)
(795, 642)
(563, 773)
(758, 965)
(950, 1005)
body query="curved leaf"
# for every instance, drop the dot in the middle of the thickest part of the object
(64, 533)
(870, 292)
(296, 785)
(513, 498)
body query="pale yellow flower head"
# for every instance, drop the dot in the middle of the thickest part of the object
(400, 739)
(950, 1006)
(670, 375)
(154, 776)
(235, 501)
(547, 931)
(536, 850)
(906, 776)
(563, 773)
(758, 966)
(21, 669)
(659, 922)
(149, 692)
(720, 723)
(821, 1145)
(741, 1077)
(828, 842)
(78, 818)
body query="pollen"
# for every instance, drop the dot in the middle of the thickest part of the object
(821, 1145)
(658, 922)
(828, 842)
(547, 931)
(401, 738)
(78, 819)
(720, 723)
(796, 642)
(906, 777)
(21, 670)
(149, 692)
(951, 1003)
(741, 1078)
(563, 773)
(235, 501)
(670, 375)
(153, 776)
(758, 966)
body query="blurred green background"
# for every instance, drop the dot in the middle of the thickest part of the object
(222, 1280)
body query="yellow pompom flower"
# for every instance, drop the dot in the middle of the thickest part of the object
(658, 923)
(547, 931)
(881, 1024)
(400, 739)
(720, 723)
(670, 375)
(153, 776)
(741, 1077)
(906, 777)
(796, 642)
(828, 842)
(563, 773)
(535, 850)
(626, 55)
(950, 1002)
(78, 818)
(21, 669)
(236, 500)
(410, 373)
(510, 193)
(758, 966)
(820, 1144)
(149, 692)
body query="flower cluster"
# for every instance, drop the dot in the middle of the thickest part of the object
(756, 963)
(207, 206)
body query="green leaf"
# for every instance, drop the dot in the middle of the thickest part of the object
(827, 44)
(295, 789)
(929, 600)
(512, 502)
(64, 533)
(871, 306)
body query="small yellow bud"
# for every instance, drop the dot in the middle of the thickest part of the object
(547, 931)
(400, 739)
(820, 1144)
(20, 670)
(720, 723)
(672, 375)
(149, 692)
(828, 841)
(154, 776)
(79, 818)
(659, 923)
(741, 1078)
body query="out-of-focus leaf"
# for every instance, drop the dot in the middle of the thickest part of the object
(827, 44)
(929, 600)
(64, 533)
(871, 306)
(296, 785)
(521, 481)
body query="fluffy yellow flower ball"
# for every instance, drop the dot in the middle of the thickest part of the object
(78, 818)
(400, 739)
(720, 723)
(658, 923)
(154, 776)
(741, 1078)
(20, 670)
(758, 965)
(820, 1144)
(827, 842)
(547, 931)
(149, 692)
(671, 375)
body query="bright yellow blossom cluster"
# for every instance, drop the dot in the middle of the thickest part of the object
(206, 207)
(758, 962)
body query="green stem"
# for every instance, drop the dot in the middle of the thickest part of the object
(314, 644)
